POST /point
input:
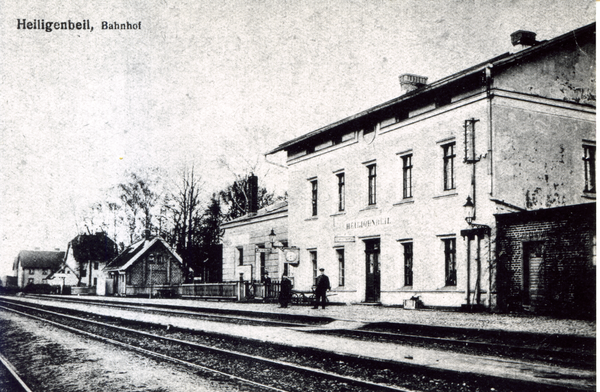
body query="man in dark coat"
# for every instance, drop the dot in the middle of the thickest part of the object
(321, 288)
(285, 295)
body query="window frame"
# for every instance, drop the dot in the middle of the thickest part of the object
(314, 196)
(372, 184)
(407, 176)
(313, 261)
(341, 257)
(240, 255)
(408, 263)
(589, 167)
(341, 185)
(450, 277)
(449, 168)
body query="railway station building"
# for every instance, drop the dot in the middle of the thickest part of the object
(398, 203)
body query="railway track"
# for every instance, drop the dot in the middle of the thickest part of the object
(10, 380)
(313, 372)
(572, 351)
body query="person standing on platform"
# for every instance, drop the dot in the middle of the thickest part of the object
(321, 287)
(285, 294)
(267, 282)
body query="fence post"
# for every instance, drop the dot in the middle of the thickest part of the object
(241, 288)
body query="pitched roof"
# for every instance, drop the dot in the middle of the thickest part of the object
(39, 259)
(498, 62)
(135, 251)
(275, 208)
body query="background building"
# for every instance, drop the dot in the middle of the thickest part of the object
(33, 266)
(399, 201)
(247, 247)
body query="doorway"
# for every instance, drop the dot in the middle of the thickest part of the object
(532, 262)
(373, 278)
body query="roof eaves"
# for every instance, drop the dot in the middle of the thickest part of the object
(503, 59)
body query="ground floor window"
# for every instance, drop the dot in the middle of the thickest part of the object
(408, 263)
(313, 262)
(341, 267)
(450, 260)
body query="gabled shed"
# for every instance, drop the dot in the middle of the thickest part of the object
(147, 267)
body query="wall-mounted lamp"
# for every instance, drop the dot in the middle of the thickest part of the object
(469, 210)
(274, 244)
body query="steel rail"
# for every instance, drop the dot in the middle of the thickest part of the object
(271, 362)
(13, 372)
(160, 309)
(482, 345)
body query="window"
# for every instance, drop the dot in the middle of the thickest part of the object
(83, 273)
(96, 264)
(314, 196)
(407, 176)
(341, 192)
(341, 266)
(240, 252)
(30, 281)
(450, 260)
(313, 261)
(372, 184)
(408, 263)
(95, 281)
(589, 161)
(44, 272)
(449, 156)
(31, 271)
(263, 257)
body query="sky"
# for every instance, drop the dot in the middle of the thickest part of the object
(211, 84)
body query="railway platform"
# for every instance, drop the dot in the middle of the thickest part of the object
(372, 313)
(354, 316)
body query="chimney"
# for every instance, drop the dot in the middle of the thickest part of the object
(410, 82)
(252, 194)
(522, 39)
(147, 234)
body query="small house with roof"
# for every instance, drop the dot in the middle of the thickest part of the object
(64, 276)
(147, 267)
(34, 266)
(86, 257)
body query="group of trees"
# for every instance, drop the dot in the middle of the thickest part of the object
(181, 212)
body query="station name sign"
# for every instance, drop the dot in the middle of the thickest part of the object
(368, 223)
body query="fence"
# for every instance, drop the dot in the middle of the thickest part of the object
(234, 291)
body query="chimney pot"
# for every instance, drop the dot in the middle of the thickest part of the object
(147, 234)
(253, 194)
(523, 38)
(410, 82)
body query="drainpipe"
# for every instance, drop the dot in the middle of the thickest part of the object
(488, 83)
(490, 96)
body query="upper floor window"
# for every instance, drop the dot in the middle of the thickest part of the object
(314, 195)
(96, 265)
(31, 271)
(449, 158)
(372, 184)
(44, 272)
(450, 260)
(341, 191)
(589, 161)
(407, 176)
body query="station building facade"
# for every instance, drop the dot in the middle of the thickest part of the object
(399, 201)
(247, 249)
